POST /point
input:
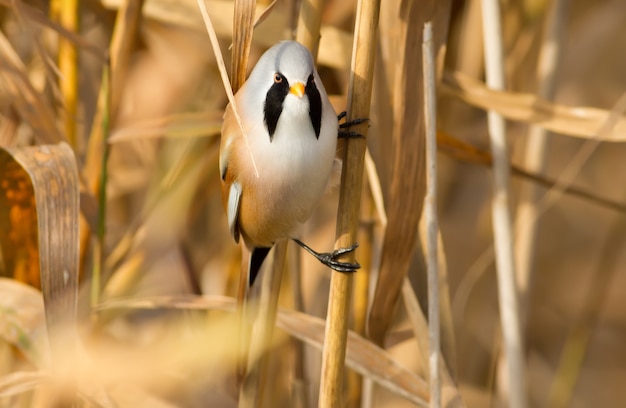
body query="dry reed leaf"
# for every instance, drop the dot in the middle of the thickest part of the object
(262, 16)
(362, 356)
(243, 26)
(582, 122)
(182, 125)
(22, 321)
(407, 189)
(52, 171)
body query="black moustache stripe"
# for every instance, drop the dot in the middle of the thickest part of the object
(274, 105)
(315, 105)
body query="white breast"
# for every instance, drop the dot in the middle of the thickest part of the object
(294, 167)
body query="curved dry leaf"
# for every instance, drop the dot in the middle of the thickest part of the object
(52, 172)
(583, 122)
(22, 320)
(18, 222)
(194, 124)
(361, 355)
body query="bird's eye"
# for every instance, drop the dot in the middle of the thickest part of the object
(278, 78)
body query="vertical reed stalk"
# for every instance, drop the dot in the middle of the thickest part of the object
(68, 65)
(359, 94)
(109, 100)
(501, 216)
(309, 23)
(98, 250)
(251, 393)
(430, 213)
(361, 289)
(536, 153)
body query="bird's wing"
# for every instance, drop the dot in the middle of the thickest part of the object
(231, 188)
(232, 209)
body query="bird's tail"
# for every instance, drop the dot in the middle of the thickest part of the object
(250, 266)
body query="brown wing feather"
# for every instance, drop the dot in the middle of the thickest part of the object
(231, 135)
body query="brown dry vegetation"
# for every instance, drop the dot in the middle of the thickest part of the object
(133, 305)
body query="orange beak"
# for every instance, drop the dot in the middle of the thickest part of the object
(297, 89)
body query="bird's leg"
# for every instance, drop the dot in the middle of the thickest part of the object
(343, 132)
(330, 258)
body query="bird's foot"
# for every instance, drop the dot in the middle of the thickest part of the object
(330, 258)
(343, 132)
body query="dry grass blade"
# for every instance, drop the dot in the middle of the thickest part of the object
(223, 74)
(583, 122)
(37, 16)
(54, 177)
(26, 99)
(359, 95)
(407, 188)
(183, 125)
(243, 25)
(19, 382)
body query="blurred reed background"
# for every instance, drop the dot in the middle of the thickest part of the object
(132, 305)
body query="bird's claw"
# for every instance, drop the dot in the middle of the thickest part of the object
(344, 134)
(330, 258)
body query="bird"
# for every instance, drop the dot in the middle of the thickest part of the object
(277, 153)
